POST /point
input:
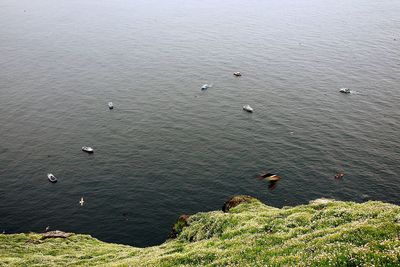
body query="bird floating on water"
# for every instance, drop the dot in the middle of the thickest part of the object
(248, 108)
(205, 87)
(81, 201)
(345, 90)
(339, 175)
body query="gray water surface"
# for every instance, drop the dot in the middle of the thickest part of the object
(168, 148)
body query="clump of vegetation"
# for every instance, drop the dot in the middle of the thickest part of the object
(235, 201)
(322, 233)
(182, 222)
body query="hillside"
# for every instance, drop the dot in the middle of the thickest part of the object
(322, 233)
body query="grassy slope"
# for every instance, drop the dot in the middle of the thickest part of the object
(323, 233)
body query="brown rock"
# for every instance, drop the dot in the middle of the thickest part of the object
(236, 200)
(55, 234)
(182, 222)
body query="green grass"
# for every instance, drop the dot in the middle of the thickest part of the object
(322, 233)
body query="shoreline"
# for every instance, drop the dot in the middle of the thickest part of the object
(246, 231)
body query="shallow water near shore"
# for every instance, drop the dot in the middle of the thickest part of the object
(169, 148)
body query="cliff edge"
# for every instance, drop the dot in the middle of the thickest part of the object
(249, 233)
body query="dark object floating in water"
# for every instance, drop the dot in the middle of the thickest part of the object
(87, 149)
(126, 215)
(51, 178)
(339, 175)
(110, 105)
(205, 87)
(237, 74)
(345, 90)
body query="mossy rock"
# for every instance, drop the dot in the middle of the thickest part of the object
(237, 200)
(182, 222)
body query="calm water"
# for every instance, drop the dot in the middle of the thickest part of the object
(167, 148)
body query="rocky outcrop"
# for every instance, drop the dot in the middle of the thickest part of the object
(236, 200)
(182, 222)
(55, 234)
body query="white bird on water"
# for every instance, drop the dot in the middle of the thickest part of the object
(81, 201)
